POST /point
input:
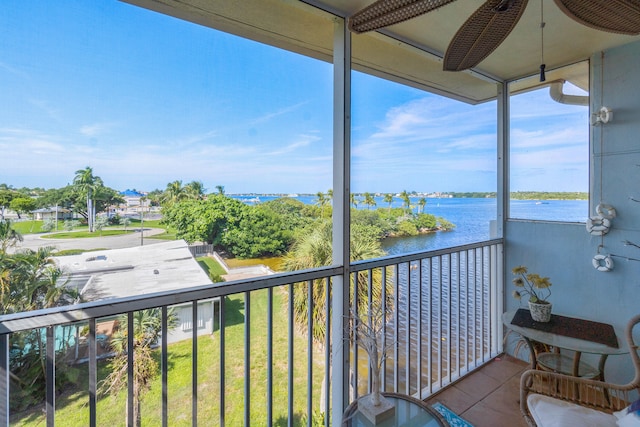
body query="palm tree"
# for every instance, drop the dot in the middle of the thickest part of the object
(354, 201)
(220, 189)
(388, 198)
(330, 195)
(86, 182)
(315, 250)
(422, 203)
(30, 280)
(174, 192)
(369, 200)
(147, 327)
(405, 199)
(321, 201)
(195, 190)
(8, 236)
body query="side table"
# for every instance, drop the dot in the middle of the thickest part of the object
(560, 363)
(410, 412)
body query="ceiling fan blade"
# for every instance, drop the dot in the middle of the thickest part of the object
(614, 16)
(482, 33)
(383, 13)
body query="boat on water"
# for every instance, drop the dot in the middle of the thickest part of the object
(542, 203)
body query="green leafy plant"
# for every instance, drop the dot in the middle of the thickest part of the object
(537, 288)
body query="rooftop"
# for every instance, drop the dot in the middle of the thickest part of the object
(119, 273)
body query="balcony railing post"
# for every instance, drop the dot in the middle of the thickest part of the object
(50, 370)
(222, 327)
(4, 380)
(93, 373)
(270, 356)
(130, 370)
(247, 359)
(194, 363)
(164, 367)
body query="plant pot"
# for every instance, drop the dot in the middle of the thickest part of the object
(376, 408)
(540, 312)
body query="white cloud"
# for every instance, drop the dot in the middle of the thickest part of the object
(96, 129)
(269, 116)
(302, 141)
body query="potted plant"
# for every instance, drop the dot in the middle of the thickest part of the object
(537, 288)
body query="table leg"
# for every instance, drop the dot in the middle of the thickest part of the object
(576, 372)
(603, 360)
(576, 363)
(534, 361)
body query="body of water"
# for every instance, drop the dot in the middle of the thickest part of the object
(472, 218)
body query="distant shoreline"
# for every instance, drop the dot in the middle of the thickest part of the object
(515, 195)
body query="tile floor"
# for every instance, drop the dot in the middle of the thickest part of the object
(489, 397)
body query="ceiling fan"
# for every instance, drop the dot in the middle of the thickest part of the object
(488, 26)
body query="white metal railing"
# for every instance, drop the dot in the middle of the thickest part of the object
(446, 308)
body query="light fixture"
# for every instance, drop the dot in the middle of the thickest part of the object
(603, 115)
(542, 65)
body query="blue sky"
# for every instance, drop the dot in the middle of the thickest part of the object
(146, 99)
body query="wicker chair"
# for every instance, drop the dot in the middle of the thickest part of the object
(548, 398)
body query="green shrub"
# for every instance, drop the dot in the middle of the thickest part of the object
(216, 278)
(407, 228)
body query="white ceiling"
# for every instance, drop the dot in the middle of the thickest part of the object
(409, 52)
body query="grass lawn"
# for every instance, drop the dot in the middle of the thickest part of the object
(84, 234)
(169, 233)
(29, 227)
(72, 404)
(210, 266)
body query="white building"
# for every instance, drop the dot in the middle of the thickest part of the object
(125, 273)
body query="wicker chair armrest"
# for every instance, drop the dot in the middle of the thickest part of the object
(599, 395)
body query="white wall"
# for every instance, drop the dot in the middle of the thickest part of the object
(564, 251)
(205, 322)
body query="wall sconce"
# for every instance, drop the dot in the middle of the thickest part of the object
(603, 115)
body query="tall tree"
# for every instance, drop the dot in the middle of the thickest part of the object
(30, 280)
(9, 237)
(155, 197)
(369, 200)
(422, 203)
(147, 327)
(220, 189)
(321, 201)
(174, 193)
(406, 201)
(87, 183)
(388, 198)
(195, 190)
(6, 195)
(315, 250)
(354, 201)
(204, 220)
(22, 205)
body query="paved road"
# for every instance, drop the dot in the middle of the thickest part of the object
(35, 241)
